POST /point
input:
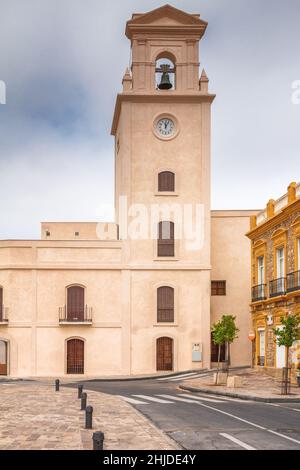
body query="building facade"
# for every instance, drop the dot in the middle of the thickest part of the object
(275, 252)
(97, 300)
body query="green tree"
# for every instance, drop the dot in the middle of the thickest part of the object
(286, 336)
(224, 331)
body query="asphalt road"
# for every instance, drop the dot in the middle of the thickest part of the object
(205, 422)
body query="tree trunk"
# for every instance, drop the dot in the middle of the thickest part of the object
(286, 376)
(218, 368)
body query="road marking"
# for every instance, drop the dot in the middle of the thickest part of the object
(176, 398)
(237, 441)
(156, 400)
(284, 407)
(249, 422)
(201, 398)
(178, 376)
(132, 401)
(177, 379)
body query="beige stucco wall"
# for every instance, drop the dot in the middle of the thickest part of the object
(231, 261)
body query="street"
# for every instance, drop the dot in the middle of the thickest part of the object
(206, 422)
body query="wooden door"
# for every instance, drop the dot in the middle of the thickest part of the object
(3, 358)
(75, 356)
(1, 304)
(75, 303)
(164, 354)
(166, 241)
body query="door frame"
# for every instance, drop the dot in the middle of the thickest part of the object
(66, 355)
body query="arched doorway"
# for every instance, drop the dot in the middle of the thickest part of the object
(75, 356)
(75, 303)
(3, 357)
(164, 354)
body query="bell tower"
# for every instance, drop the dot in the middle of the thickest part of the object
(162, 128)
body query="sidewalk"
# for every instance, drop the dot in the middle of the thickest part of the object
(35, 417)
(257, 386)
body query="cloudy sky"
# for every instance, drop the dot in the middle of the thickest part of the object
(63, 61)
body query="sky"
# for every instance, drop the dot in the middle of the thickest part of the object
(63, 61)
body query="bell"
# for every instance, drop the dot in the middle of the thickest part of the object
(165, 83)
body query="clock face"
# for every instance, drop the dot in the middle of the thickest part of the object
(165, 127)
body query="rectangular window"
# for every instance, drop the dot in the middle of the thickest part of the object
(298, 254)
(218, 287)
(280, 262)
(261, 345)
(261, 270)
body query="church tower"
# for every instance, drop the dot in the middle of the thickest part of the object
(162, 130)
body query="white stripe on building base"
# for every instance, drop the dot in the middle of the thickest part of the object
(200, 398)
(132, 401)
(237, 441)
(156, 400)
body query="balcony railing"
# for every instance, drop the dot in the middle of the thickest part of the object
(80, 315)
(259, 292)
(293, 281)
(278, 287)
(3, 315)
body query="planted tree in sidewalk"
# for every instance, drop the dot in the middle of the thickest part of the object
(224, 331)
(286, 335)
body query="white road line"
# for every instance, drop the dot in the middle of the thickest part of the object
(176, 398)
(177, 379)
(156, 400)
(132, 401)
(284, 407)
(237, 441)
(200, 398)
(249, 422)
(178, 376)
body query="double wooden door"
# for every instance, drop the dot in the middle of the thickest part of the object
(3, 358)
(164, 354)
(75, 303)
(75, 356)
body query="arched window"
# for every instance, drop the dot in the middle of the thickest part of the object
(165, 72)
(165, 304)
(75, 303)
(75, 356)
(166, 181)
(166, 242)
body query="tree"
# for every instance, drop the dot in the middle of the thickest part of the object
(286, 336)
(224, 331)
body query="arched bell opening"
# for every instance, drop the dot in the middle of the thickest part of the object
(165, 73)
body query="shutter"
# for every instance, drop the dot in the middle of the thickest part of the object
(166, 245)
(75, 303)
(166, 181)
(1, 304)
(165, 304)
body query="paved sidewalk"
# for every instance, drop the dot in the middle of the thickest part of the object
(35, 417)
(256, 386)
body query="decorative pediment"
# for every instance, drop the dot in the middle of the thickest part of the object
(165, 17)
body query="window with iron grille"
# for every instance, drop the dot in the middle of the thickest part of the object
(218, 287)
(166, 181)
(165, 304)
(166, 242)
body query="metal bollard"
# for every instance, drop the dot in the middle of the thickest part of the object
(83, 401)
(89, 417)
(57, 385)
(98, 439)
(80, 388)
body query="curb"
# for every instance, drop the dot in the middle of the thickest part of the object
(238, 395)
(147, 377)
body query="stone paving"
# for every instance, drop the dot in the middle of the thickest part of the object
(255, 384)
(35, 417)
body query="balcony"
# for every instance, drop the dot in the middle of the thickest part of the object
(278, 287)
(75, 316)
(259, 292)
(3, 316)
(293, 281)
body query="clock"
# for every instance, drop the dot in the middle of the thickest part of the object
(165, 127)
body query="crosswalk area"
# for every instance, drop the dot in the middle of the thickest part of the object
(169, 399)
(182, 377)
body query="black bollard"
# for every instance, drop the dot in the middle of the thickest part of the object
(83, 401)
(89, 417)
(80, 388)
(98, 439)
(57, 385)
